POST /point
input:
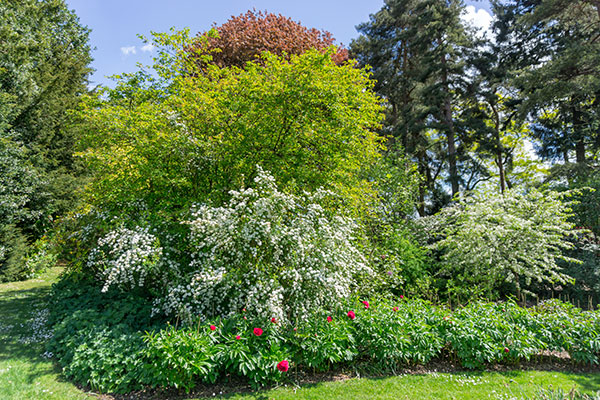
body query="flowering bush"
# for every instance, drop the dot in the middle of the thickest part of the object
(278, 255)
(99, 339)
(487, 240)
(126, 258)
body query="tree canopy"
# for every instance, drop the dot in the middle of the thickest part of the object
(245, 37)
(44, 64)
(306, 119)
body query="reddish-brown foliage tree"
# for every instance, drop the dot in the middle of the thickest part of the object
(243, 38)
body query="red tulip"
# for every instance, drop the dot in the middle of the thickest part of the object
(212, 327)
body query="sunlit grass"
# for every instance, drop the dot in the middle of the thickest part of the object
(25, 370)
(485, 385)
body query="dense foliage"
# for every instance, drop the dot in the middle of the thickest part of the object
(194, 135)
(275, 254)
(417, 51)
(44, 57)
(250, 189)
(517, 238)
(100, 340)
(245, 37)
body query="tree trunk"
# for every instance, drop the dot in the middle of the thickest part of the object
(447, 115)
(499, 149)
(423, 184)
(577, 127)
(580, 151)
(421, 205)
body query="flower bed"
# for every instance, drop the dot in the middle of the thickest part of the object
(100, 341)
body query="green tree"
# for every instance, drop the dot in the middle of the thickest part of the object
(554, 49)
(44, 58)
(19, 183)
(416, 49)
(195, 133)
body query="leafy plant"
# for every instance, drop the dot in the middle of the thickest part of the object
(278, 255)
(489, 239)
(325, 340)
(179, 357)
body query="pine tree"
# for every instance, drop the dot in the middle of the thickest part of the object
(554, 47)
(416, 49)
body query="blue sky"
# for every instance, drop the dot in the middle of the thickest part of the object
(115, 24)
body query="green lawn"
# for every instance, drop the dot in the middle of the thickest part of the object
(26, 372)
(510, 385)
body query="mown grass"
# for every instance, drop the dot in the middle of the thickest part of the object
(26, 372)
(484, 385)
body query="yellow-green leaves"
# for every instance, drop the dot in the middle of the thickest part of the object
(197, 131)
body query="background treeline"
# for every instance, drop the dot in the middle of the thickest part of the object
(488, 140)
(44, 66)
(471, 110)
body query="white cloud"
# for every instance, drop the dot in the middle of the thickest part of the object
(148, 47)
(128, 50)
(480, 19)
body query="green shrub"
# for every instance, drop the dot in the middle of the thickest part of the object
(98, 337)
(179, 358)
(110, 359)
(485, 333)
(403, 267)
(108, 341)
(585, 287)
(395, 334)
(324, 340)
(13, 252)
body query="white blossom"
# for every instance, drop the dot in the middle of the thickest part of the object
(126, 257)
(275, 254)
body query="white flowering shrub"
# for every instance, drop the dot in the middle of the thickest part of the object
(126, 258)
(490, 239)
(275, 254)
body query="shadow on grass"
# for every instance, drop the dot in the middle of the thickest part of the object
(22, 329)
(589, 382)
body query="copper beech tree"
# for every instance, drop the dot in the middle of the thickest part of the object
(247, 36)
